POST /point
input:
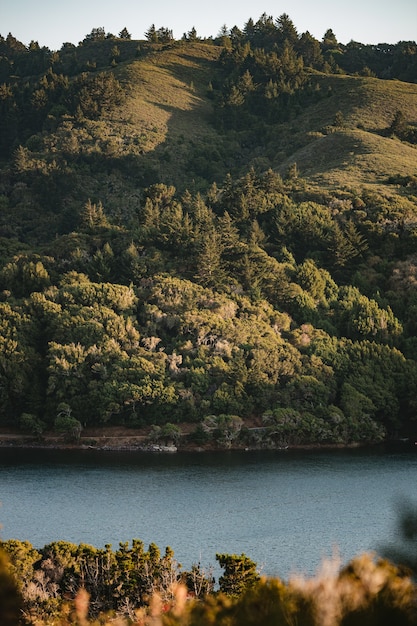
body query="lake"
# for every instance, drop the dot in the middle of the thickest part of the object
(286, 510)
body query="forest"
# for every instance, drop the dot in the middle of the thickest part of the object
(216, 232)
(236, 248)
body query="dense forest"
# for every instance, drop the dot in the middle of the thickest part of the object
(221, 232)
(218, 232)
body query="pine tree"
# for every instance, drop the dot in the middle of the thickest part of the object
(124, 34)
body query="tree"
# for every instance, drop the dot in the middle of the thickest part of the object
(24, 275)
(286, 30)
(361, 317)
(93, 215)
(225, 428)
(240, 573)
(97, 34)
(166, 35)
(67, 425)
(115, 53)
(33, 424)
(199, 581)
(192, 35)
(209, 260)
(399, 125)
(292, 172)
(124, 34)
(346, 244)
(168, 434)
(151, 34)
(339, 120)
(19, 362)
(329, 40)
(310, 50)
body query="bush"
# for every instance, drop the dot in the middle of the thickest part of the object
(10, 598)
(68, 426)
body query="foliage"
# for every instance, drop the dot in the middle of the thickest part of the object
(119, 580)
(403, 551)
(67, 425)
(191, 259)
(240, 574)
(218, 231)
(139, 586)
(32, 424)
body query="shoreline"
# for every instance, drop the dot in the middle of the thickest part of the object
(116, 439)
(15, 444)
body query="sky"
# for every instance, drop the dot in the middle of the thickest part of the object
(52, 23)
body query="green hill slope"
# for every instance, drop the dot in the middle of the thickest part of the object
(355, 153)
(167, 110)
(163, 129)
(184, 242)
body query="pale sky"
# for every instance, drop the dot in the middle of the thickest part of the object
(52, 23)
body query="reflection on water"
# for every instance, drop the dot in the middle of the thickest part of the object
(286, 510)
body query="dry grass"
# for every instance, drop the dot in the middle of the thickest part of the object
(359, 154)
(167, 108)
(166, 119)
(368, 102)
(354, 159)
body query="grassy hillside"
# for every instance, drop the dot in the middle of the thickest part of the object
(184, 241)
(164, 130)
(166, 122)
(357, 153)
(167, 111)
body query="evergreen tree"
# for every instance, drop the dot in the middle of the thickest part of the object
(151, 34)
(239, 575)
(124, 34)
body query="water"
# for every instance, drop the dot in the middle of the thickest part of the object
(285, 510)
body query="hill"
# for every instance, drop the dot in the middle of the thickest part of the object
(357, 153)
(213, 232)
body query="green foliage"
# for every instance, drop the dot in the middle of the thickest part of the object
(286, 426)
(168, 434)
(23, 276)
(113, 579)
(160, 35)
(361, 317)
(402, 129)
(112, 584)
(279, 286)
(32, 424)
(223, 428)
(156, 272)
(67, 425)
(240, 573)
(19, 362)
(404, 551)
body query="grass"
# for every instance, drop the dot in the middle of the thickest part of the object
(354, 158)
(359, 154)
(165, 123)
(167, 110)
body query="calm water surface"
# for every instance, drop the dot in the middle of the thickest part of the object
(285, 510)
